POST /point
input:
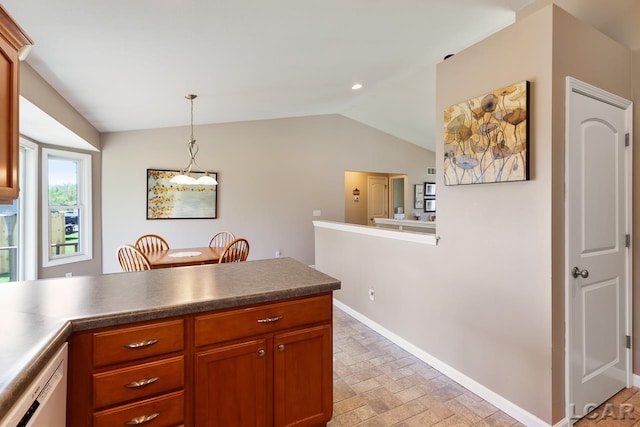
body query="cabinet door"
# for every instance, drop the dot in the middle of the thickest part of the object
(231, 385)
(303, 377)
(9, 66)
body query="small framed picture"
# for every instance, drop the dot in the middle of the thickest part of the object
(429, 205)
(429, 189)
(419, 196)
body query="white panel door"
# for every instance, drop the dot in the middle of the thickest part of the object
(377, 197)
(597, 216)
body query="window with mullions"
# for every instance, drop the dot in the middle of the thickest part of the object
(67, 200)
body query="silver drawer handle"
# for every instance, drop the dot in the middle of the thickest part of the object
(141, 344)
(141, 420)
(142, 383)
(269, 319)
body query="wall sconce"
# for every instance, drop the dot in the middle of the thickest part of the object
(356, 195)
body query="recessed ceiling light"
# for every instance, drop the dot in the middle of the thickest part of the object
(357, 86)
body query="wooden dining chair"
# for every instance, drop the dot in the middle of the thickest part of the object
(131, 259)
(151, 243)
(236, 251)
(222, 239)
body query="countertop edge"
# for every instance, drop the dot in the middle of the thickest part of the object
(123, 318)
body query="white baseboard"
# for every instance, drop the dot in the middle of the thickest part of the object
(495, 399)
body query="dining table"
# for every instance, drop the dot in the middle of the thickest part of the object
(181, 257)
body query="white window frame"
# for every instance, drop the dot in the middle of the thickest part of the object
(84, 203)
(28, 265)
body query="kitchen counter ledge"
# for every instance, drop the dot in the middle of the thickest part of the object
(36, 317)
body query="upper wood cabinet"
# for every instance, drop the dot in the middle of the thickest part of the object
(14, 47)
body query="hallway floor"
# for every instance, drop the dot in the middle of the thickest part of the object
(622, 410)
(376, 383)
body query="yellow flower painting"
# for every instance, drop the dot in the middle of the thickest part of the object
(486, 139)
(177, 201)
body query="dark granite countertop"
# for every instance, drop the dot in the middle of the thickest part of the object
(36, 317)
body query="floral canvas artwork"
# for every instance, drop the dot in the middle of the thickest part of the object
(486, 138)
(175, 201)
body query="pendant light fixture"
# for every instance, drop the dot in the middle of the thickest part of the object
(184, 177)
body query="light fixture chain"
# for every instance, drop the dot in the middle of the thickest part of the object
(191, 98)
(184, 177)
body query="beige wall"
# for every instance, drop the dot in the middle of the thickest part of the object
(480, 301)
(41, 94)
(502, 231)
(489, 299)
(273, 174)
(357, 212)
(584, 53)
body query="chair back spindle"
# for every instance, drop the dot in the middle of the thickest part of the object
(236, 251)
(222, 239)
(131, 259)
(151, 243)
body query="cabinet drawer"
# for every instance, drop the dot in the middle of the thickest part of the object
(122, 345)
(140, 381)
(163, 411)
(234, 324)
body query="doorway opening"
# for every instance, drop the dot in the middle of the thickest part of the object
(371, 195)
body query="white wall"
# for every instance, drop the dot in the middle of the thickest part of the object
(272, 175)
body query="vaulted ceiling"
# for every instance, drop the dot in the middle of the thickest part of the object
(127, 64)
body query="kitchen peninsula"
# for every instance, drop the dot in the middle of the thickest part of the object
(270, 319)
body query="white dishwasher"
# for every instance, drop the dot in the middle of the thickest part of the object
(44, 403)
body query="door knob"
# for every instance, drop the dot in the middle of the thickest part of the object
(576, 272)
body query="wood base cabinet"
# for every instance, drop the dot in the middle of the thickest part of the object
(267, 365)
(303, 377)
(231, 385)
(282, 377)
(131, 375)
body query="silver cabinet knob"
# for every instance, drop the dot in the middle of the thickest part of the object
(261, 352)
(280, 347)
(576, 272)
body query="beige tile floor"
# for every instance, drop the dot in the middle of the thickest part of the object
(376, 383)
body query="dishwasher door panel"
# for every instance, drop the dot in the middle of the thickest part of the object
(44, 404)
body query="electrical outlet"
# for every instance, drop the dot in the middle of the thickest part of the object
(372, 294)
(68, 274)
(317, 212)
(277, 254)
